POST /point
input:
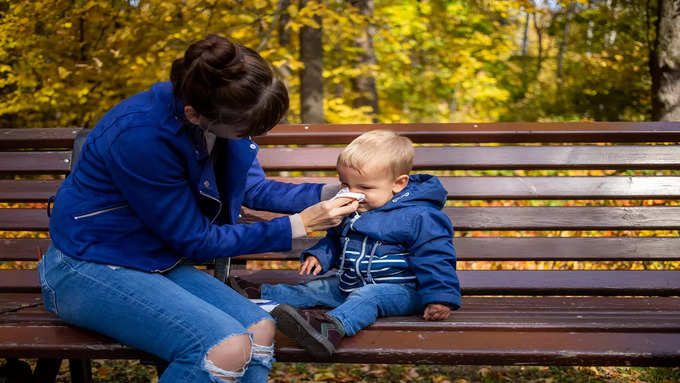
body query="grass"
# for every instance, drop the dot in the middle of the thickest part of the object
(117, 371)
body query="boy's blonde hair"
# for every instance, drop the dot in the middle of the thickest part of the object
(382, 148)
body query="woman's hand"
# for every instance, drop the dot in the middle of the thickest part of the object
(310, 265)
(435, 311)
(327, 214)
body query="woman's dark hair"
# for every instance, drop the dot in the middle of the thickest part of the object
(231, 84)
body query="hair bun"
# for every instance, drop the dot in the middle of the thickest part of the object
(216, 59)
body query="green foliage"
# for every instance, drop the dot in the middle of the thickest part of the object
(64, 63)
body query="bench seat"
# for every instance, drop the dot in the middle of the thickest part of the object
(588, 210)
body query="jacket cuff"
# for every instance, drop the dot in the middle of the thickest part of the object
(297, 226)
(328, 191)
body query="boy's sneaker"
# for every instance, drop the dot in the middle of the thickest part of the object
(247, 289)
(316, 332)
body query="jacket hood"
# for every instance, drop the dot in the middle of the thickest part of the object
(422, 189)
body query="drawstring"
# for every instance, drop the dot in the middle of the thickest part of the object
(342, 257)
(370, 261)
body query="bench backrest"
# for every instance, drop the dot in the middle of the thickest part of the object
(549, 193)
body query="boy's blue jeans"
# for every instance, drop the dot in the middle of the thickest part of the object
(355, 310)
(178, 316)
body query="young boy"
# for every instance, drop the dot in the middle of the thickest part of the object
(394, 255)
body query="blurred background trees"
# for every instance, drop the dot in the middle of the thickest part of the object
(64, 63)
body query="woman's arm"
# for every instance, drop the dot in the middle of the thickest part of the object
(279, 197)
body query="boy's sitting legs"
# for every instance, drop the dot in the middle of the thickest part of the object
(365, 304)
(320, 333)
(322, 291)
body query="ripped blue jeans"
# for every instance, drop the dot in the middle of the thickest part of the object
(178, 315)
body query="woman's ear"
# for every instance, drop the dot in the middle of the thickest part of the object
(191, 114)
(400, 183)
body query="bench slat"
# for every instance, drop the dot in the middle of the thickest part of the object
(37, 138)
(22, 249)
(547, 218)
(519, 313)
(509, 132)
(470, 218)
(503, 187)
(492, 157)
(420, 347)
(35, 162)
(467, 249)
(458, 187)
(473, 282)
(28, 191)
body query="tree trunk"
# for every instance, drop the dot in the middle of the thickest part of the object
(525, 35)
(563, 44)
(311, 77)
(364, 85)
(665, 63)
(539, 43)
(284, 41)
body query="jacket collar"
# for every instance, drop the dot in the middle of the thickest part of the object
(163, 91)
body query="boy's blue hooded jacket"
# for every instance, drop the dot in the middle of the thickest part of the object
(144, 193)
(408, 240)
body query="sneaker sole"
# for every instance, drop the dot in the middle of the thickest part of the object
(295, 326)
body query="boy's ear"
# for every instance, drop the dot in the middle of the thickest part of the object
(400, 183)
(191, 114)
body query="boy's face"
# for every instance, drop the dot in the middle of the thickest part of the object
(375, 182)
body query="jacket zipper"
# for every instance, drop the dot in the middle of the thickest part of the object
(100, 212)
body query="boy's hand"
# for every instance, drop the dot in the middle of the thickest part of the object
(310, 265)
(435, 311)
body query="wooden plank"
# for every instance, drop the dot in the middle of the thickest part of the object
(546, 217)
(28, 190)
(22, 249)
(380, 346)
(518, 187)
(24, 219)
(462, 188)
(470, 218)
(532, 282)
(37, 138)
(505, 132)
(10, 302)
(491, 313)
(534, 249)
(500, 348)
(562, 331)
(467, 249)
(473, 282)
(508, 132)
(492, 157)
(35, 162)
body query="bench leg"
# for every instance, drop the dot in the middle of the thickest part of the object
(15, 371)
(46, 370)
(81, 370)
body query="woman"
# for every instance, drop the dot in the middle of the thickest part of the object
(160, 181)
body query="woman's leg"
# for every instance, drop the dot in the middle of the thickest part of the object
(150, 312)
(364, 305)
(257, 321)
(317, 292)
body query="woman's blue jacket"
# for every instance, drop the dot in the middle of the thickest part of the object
(408, 240)
(144, 192)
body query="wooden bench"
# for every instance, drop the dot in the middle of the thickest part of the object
(565, 312)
